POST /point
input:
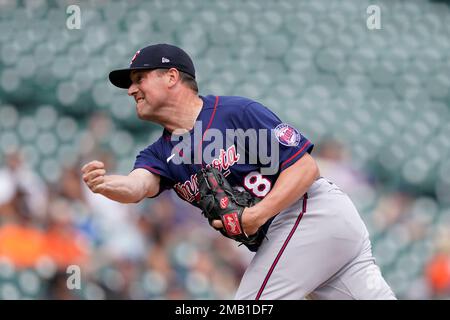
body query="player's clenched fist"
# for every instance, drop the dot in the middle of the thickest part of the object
(94, 175)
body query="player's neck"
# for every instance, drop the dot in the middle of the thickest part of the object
(182, 112)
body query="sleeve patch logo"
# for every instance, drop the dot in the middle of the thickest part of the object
(287, 135)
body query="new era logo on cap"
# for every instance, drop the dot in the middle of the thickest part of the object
(165, 60)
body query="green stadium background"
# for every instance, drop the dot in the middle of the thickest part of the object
(375, 102)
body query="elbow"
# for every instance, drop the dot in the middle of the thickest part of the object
(310, 165)
(306, 168)
(133, 196)
(315, 169)
(137, 199)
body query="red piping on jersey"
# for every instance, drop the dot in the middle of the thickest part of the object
(209, 125)
(266, 279)
(152, 170)
(296, 154)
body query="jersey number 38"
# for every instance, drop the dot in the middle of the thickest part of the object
(257, 184)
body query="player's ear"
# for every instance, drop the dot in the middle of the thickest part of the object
(173, 76)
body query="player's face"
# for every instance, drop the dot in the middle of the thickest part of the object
(149, 90)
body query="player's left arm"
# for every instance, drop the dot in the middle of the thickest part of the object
(292, 183)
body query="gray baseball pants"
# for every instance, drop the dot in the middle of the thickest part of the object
(319, 248)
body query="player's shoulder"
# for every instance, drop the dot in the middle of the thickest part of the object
(235, 102)
(234, 110)
(231, 105)
(244, 107)
(226, 101)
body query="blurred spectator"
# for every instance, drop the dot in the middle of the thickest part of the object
(23, 245)
(57, 288)
(336, 165)
(97, 135)
(390, 209)
(24, 242)
(7, 191)
(437, 269)
(20, 240)
(438, 275)
(16, 175)
(64, 243)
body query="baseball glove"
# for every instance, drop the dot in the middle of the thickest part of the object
(219, 201)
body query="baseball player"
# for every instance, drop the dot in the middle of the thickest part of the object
(315, 244)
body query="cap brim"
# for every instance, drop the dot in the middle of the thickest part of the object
(121, 77)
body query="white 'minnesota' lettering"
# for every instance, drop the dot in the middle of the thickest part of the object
(252, 146)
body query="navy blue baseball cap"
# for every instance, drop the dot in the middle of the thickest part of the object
(157, 56)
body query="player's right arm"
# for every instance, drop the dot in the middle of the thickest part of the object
(139, 184)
